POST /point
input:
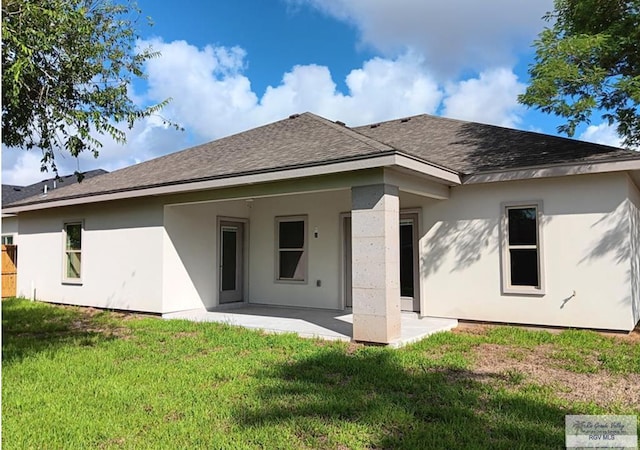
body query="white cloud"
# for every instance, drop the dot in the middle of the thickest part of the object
(206, 85)
(148, 139)
(382, 89)
(604, 134)
(23, 167)
(212, 98)
(490, 98)
(453, 35)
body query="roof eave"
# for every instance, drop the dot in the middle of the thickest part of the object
(386, 159)
(548, 171)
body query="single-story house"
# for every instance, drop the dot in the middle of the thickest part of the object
(442, 217)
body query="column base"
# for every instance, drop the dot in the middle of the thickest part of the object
(376, 329)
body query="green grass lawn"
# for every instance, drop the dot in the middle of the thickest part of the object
(81, 378)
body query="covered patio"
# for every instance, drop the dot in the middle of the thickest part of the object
(311, 323)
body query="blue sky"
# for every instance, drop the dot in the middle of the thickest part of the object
(230, 65)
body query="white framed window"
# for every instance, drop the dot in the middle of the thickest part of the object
(7, 239)
(522, 262)
(72, 253)
(291, 249)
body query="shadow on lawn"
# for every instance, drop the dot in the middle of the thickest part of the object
(400, 408)
(29, 328)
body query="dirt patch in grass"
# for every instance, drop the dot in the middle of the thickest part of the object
(174, 416)
(474, 328)
(113, 442)
(633, 336)
(353, 347)
(87, 321)
(481, 328)
(496, 364)
(87, 325)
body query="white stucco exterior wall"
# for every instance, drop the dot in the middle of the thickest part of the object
(634, 222)
(190, 251)
(121, 256)
(190, 272)
(324, 252)
(151, 255)
(10, 226)
(585, 235)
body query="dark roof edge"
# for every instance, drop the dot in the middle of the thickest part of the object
(219, 177)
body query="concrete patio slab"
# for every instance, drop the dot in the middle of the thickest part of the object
(311, 323)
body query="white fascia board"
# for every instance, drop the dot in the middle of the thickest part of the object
(218, 183)
(439, 174)
(553, 171)
(424, 187)
(376, 161)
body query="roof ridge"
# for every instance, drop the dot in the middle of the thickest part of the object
(375, 143)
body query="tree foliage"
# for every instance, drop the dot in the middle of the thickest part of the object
(67, 70)
(587, 61)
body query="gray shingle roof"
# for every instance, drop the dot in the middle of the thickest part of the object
(301, 140)
(12, 193)
(469, 147)
(307, 140)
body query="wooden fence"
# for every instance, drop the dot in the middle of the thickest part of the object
(9, 270)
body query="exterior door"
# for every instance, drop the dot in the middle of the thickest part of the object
(409, 274)
(346, 245)
(231, 261)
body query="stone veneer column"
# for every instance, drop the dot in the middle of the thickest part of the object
(375, 247)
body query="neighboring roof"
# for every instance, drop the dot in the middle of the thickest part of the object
(12, 193)
(307, 140)
(470, 148)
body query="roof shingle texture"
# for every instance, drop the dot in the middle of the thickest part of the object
(306, 139)
(12, 194)
(300, 140)
(469, 147)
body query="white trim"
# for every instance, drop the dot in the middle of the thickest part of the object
(65, 278)
(342, 263)
(11, 235)
(396, 159)
(439, 173)
(245, 258)
(415, 215)
(304, 218)
(376, 161)
(422, 186)
(558, 170)
(505, 260)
